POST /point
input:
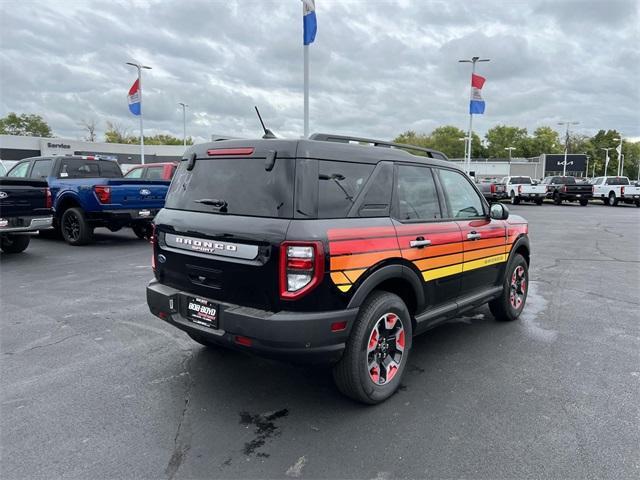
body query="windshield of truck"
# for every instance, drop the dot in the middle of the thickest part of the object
(237, 186)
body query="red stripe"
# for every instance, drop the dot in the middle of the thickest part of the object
(346, 247)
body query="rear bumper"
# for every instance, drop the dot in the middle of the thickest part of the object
(20, 225)
(294, 336)
(123, 217)
(496, 196)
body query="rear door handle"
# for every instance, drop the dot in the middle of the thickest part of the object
(473, 236)
(419, 243)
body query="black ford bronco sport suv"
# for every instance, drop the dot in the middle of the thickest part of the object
(330, 251)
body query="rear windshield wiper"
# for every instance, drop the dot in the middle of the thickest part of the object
(214, 202)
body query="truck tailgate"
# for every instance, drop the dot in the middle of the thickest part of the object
(22, 197)
(134, 194)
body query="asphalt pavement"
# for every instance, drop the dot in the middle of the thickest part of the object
(93, 386)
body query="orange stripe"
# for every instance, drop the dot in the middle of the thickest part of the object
(431, 251)
(483, 243)
(485, 252)
(363, 260)
(438, 262)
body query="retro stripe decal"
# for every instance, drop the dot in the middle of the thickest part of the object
(354, 250)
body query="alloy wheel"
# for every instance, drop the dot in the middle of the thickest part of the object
(518, 287)
(385, 348)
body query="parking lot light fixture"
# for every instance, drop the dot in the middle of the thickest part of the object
(566, 144)
(620, 156)
(184, 122)
(510, 149)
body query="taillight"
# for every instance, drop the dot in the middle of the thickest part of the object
(492, 188)
(103, 193)
(519, 189)
(153, 247)
(564, 189)
(48, 200)
(301, 268)
(621, 191)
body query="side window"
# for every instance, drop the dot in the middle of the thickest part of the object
(41, 168)
(417, 197)
(135, 173)
(462, 198)
(338, 186)
(20, 170)
(154, 173)
(109, 169)
(377, 198)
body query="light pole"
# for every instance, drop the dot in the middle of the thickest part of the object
(184, 122)
(619, 150)
(473, 61)
(510, 150)
(606, 161)
(139, 67)
(566, 144)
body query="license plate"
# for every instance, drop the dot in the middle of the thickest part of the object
(202, 311)
(144, 213)
(579, 195)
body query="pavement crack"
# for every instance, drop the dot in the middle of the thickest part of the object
(180, 448)
(44, 345)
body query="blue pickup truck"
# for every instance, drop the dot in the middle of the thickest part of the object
(89, 192)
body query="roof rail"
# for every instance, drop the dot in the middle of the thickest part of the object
(326, 137)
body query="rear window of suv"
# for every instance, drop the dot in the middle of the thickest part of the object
(243, 184)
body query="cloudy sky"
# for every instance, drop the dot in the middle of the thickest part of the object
(378, 67)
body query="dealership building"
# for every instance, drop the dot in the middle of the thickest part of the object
(13, 147)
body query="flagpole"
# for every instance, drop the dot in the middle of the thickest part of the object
(141, 123)
(139, 66)
(473, 61)
(306, 91)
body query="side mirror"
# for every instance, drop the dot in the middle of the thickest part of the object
(499, 211)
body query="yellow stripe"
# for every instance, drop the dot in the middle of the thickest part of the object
(484, 262)
(344, 288)
(441, 272)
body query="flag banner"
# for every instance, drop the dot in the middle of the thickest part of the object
(619, 149)
(477, 103)
(309, 22)
(134, 98)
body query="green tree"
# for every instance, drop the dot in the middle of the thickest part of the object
(545, 140)
(164, 139)
(25, 125)
(445, 139)
(116, 133)
(502, 136)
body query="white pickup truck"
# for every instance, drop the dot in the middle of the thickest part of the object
(524, 189)
(612, 190)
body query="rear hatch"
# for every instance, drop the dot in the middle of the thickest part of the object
(23, 198)
(137, 194)
(222, 226)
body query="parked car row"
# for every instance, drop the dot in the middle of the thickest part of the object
(559, 189)
(86, 192)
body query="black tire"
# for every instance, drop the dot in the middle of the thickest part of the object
(506, 308)
(605, 200)
(556, 198)
(515, 200)
(612, 201)
(75, 228)
(14, 243)
(143, 232)
(538, 201)
(353, 374)
(584, 202)
(201, 340)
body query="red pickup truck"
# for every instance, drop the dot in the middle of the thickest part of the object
(153, 171)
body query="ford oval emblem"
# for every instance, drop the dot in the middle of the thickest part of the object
(145, 191)
(4, 194)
